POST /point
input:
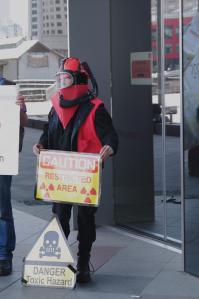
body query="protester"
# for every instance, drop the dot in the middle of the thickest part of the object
(79, 122)
(7, 229)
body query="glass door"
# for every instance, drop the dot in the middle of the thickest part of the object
(172, 117)
(147, 172)
(166, 224)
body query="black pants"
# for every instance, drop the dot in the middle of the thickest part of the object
(85, 223)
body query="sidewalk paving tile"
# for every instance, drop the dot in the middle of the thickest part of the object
(173, 283)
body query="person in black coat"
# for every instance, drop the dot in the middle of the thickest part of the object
(7, 228)
(78, 122)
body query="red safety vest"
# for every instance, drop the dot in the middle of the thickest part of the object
(87, 140)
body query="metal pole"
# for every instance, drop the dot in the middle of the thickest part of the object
(68, 26)
(159, 82)
(162, 98)
(182, 132)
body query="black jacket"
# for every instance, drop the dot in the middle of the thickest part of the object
(56, 138)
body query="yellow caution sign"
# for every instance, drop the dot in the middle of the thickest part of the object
(69, 177)
(50, 262)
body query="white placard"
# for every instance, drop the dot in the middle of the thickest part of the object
(9, 130)
(50, 263)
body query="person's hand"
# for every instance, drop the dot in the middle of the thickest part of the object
(21, 102)
(105, 152)
(37, 148)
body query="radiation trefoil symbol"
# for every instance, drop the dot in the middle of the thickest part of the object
(47, 189)
(50, 246)
(88, 193)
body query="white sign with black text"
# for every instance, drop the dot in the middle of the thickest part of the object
(50, 262)
(9, 131)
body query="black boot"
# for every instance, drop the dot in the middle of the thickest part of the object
(83, 270)
(5, 267)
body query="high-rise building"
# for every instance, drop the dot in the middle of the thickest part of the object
(10, 30)
(48, 23)
(171, 7)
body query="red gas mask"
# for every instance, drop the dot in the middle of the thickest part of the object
(72, 88)
(72, 82)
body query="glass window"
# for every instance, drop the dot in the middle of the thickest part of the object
(161, 215)
(154, 35)
(168, 32)
(154, 50)
(37, 60)
(177, 48)
(177, 30)
(168, 49)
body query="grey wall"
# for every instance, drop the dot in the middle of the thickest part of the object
(104, 33)
(132, 112)
(89, 39)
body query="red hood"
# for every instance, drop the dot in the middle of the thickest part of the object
(64, 114)
(73, 92)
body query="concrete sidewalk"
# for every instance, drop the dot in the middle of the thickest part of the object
(125, 267)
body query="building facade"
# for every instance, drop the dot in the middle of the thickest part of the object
(21, 59)
(152, 186)
(48, 23)
(10, 30)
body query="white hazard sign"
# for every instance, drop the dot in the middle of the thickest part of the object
(50, 262)
(9, 131)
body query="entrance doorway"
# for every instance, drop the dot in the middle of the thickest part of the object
(147, 177)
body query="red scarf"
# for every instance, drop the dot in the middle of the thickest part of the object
(73, 92)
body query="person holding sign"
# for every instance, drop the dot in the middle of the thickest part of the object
(7, 230)
(78, 122)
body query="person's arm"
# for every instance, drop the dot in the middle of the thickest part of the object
(106, 132)
(43, 140)
(23, 115)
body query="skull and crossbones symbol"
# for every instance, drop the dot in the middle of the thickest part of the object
(50, 245)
